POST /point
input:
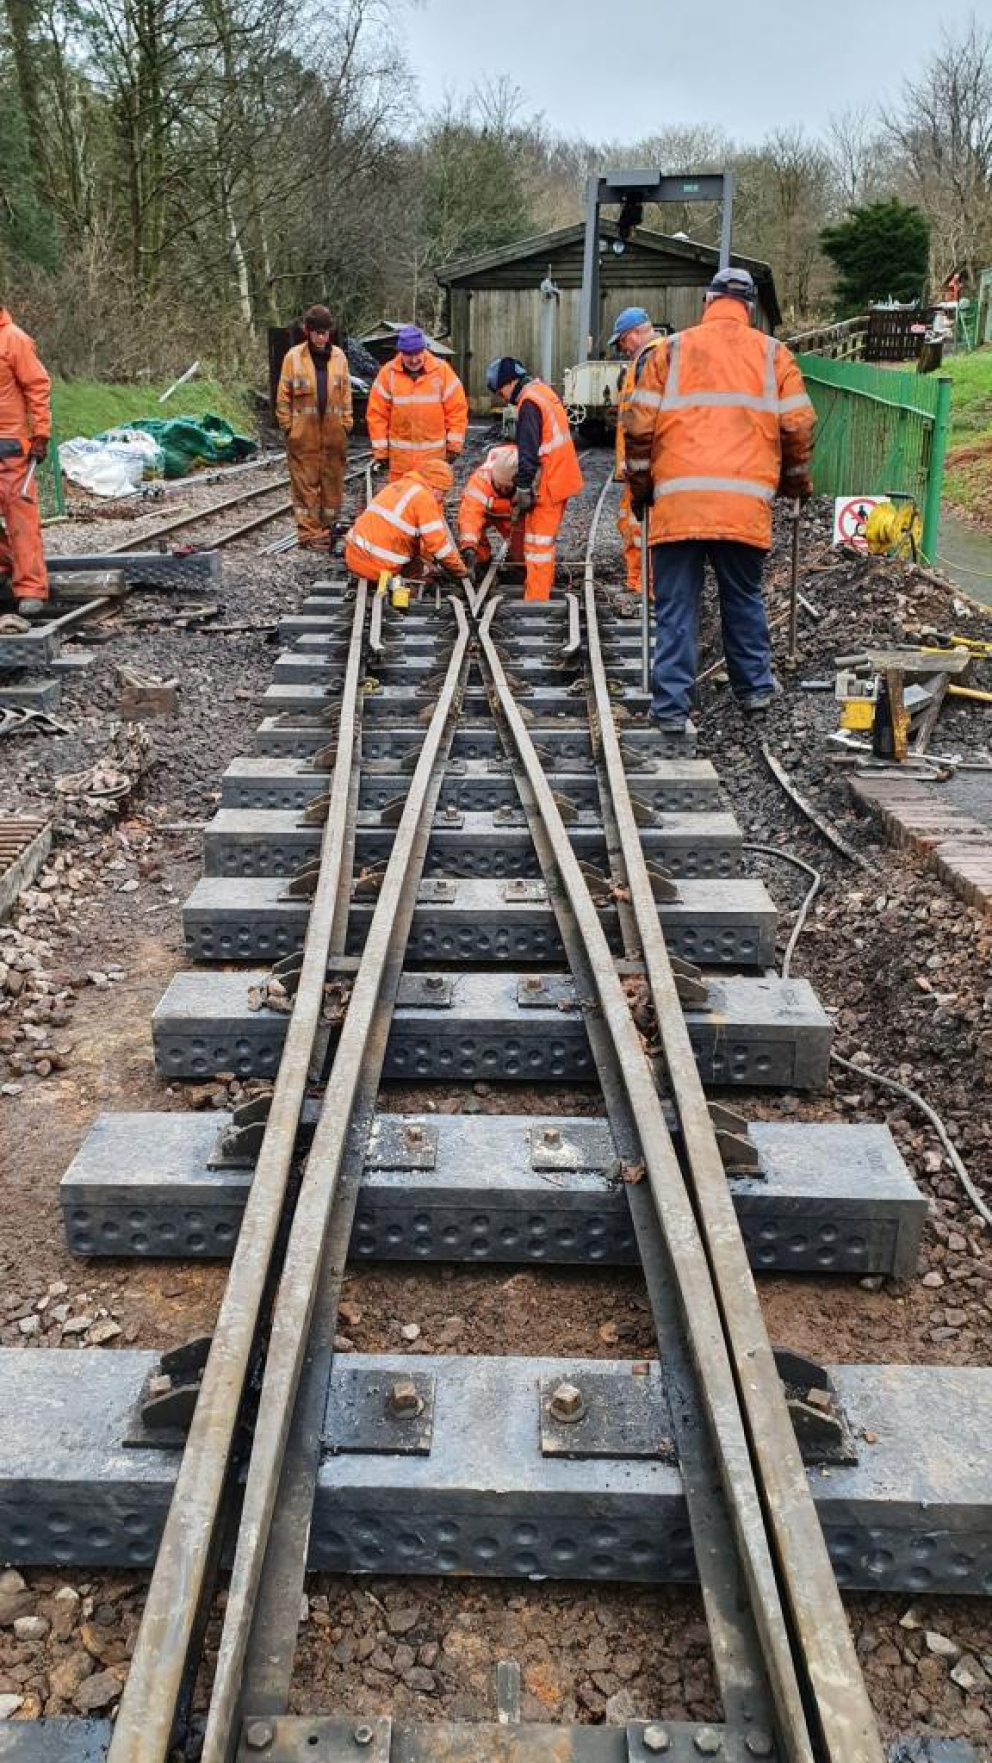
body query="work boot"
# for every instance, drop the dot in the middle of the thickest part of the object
(671, 725)
(32, 608)
(757, 704)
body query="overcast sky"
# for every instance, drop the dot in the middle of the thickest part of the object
(747, 68)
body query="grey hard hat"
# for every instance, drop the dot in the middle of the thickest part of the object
(736, 284)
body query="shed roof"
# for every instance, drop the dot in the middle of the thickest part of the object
(691, 251)
(387, 329)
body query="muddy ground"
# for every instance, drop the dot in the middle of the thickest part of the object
(900, 962)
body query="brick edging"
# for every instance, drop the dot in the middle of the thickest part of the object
(955, 845)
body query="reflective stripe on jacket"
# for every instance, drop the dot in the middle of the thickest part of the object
(481, 505)
(296, 401)
(402, 522)
(25, 388)
(425, 413)
(560, 474)
(722, 415)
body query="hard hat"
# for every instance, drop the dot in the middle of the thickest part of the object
(502, 464)
(734, 284)
(410, 339)
(630, 319)
(501, 371)
(437, 473)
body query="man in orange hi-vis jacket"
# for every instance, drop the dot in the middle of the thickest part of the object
(313, 409)
(25, 431)
(417, 407)
(634, 335)
(548, 470)
(487, 506)
(718, 425)
(404, 527)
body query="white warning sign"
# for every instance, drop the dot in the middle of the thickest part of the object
(850, 514)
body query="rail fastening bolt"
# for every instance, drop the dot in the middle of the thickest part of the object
(363, 1735)
(403, 1398)
(656, 1739)
(414, 1135)
(259, 1735)
(551, 1135)
(567, 1404)
(433, 982)
(708, 1740)
(759, 1743)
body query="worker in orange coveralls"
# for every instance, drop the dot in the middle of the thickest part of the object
(487, 506)
(25, 431)
(548, 470)
(417, 407)
(404, 527)
(313, 409)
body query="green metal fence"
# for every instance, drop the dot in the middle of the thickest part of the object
(880, 432)
(51, 494)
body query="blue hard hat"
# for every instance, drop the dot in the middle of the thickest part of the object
(629, 320)
(501, 371)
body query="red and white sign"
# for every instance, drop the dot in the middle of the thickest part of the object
(850, 514)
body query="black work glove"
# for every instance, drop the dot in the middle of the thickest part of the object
(796, 485)
(38, 448)
(469, 559)
(639, 488)
(523, 500)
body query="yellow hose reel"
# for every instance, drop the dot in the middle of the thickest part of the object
(894, 531)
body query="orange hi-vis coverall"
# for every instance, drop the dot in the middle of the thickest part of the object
(628, 526)
(484, 508)
(402, 525)
(413, 417)
(723, 417)
(558, 477)
(316, 444)
(25, 415)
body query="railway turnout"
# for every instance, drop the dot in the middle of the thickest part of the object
(459, 855)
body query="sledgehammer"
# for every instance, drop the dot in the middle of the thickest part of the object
(28, 480)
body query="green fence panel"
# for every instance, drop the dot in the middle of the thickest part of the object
(51, 494)
(879, 432)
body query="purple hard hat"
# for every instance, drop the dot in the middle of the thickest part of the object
(410, 339)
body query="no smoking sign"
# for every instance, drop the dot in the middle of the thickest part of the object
(850, 514)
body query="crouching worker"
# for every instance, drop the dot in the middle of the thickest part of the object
(548, 470)
(403, 528)
(487, 507)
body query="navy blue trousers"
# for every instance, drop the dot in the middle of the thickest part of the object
(678, 586)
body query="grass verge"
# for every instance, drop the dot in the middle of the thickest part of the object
(85, 407)
(968, 480)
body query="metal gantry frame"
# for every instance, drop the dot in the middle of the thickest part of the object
(629, 190)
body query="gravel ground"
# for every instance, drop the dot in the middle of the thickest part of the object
(901, 963)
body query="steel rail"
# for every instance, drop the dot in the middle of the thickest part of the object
(195, 517)
(676, 1218)
(842, 1724)
(290, 1332)
(151, 1694)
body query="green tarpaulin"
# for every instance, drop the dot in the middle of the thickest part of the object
(189, 441)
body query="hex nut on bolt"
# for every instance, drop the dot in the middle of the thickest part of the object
(403, 1399)
(708, 1740)
(656, 1739)
(567, 1404)
(363, 1735)
(259, 1735)
(759, 1743)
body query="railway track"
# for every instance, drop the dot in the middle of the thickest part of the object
(475, 862)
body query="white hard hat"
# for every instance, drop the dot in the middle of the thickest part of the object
(501, 464)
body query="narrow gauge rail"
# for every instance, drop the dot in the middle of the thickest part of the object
(789, 1681)
(786, 1662)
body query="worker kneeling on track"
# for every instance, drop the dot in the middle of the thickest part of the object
(635, 336)
(548, 471)
(417, 407)
(25, 430)
(487, 507)
(403, 528)
(313, 409)
(718, 424)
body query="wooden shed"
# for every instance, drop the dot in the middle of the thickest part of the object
(495, 302)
